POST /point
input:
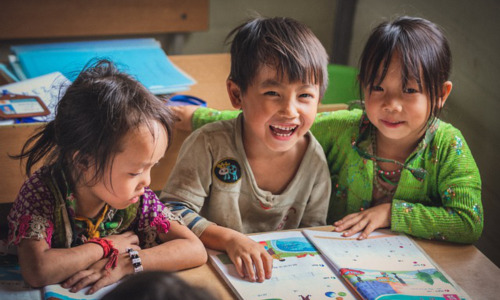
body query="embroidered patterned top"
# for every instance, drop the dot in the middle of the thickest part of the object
(439, 191)
(42, 212)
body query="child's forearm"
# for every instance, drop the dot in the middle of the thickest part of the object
(218, 237)
(175, 255)
(41, 265)
(454, 224)
(181, 249)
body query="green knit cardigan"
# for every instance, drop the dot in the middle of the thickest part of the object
(439, 192)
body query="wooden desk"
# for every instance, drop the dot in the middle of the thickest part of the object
(468, 267)
(210, 72)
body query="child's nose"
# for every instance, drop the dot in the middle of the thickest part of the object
(145, 180)
(392, 103)
(289, 108)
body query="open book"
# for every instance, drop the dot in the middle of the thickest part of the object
(57, 292)
(324, 265)
(299, 271)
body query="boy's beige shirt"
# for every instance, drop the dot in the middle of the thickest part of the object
(212, 182)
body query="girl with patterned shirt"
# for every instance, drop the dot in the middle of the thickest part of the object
(395, 164)
(87, 216)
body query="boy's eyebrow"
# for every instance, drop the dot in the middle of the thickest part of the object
(270, 82)
(274, 82)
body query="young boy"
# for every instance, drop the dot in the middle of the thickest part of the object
(263, 171)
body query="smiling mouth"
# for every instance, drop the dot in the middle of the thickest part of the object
(393, 123)
(283, 131)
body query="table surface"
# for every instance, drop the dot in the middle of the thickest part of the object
(465, 264)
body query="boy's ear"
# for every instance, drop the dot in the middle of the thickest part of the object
(234, 92)
(447, 86)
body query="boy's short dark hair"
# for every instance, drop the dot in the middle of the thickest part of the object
(283, 43)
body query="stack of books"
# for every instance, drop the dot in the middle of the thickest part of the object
(142, 58)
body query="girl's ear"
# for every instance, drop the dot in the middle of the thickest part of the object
(447, 86)
(234, 93)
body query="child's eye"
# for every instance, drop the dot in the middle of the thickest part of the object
(410, 91)
(134, 174)
(377, 88)
(271, 93)
(306, 97)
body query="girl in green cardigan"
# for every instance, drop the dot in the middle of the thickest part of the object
(395, 164)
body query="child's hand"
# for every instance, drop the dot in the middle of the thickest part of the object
(367, 220)
(250, 258)
(184, 114)
(124, 241)
(97, 276)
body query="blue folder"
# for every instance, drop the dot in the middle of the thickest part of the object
(142, 58)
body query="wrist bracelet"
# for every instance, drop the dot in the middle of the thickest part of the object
(136, 260)
(109, 251)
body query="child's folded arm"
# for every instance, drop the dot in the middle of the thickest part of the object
(41, 265)
(459, 215)
(459, 223)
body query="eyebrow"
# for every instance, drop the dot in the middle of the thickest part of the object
(275, 83)
(271, 83)
(146, 164)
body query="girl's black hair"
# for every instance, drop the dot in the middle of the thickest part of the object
(423, 50)
(97, 110)
(287, 45)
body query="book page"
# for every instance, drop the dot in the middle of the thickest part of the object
(56, 291)
(299, 271)
(385, 264)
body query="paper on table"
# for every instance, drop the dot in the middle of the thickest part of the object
(48, 87)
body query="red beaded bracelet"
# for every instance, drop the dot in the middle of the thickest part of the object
(109, 251)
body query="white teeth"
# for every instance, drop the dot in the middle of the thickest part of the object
(284, 127)
(282, 134)
(283, 131)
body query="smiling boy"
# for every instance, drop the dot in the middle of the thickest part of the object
(264, 170)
